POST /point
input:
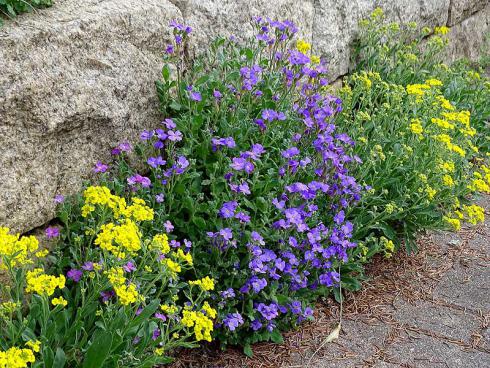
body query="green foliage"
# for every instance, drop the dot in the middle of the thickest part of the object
(12, 8)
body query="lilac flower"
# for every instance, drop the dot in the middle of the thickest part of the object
(74, 274)
(146, 135)
(52, 232)
(169, 123)
(168, 226)
(256, 325)
(107, 295)
(129, 267)
(238, 163)
(174, 136)
(156, 161)
(88, 266)
(138, 179)
(187, 244)
(217, 95)
(100, 167)
(269, 312)
(219, 142)
(228, 293)
(233, 320)
(243, 217)
(125, 147)
(159, 198)
(59, 198)
(290, 152)
(228, 209)
(160, 316)
(226, 233)
(156, 334)
(240, 188)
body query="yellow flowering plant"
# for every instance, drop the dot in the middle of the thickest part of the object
(121, 299)
(418, 156)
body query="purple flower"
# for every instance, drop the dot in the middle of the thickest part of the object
(160, 316)
(107, 295)
(156, 161)
(100, 167)
(174, 136)
(217, 94)
(195, 96)
(182, 162)
(290, 152)
(243, 217)
(138, 179)
(156, 334)
(129, 267)
(168, 226)
(146, 135)
(169, 123)
(59, 198)
(88, 266)
(74, 274)
(228, 293)
(269, 312)
(233, 320)
(125, 147)
(226, 233)
(52, 232)
(256, 325)
(228, 209)
(159, 198)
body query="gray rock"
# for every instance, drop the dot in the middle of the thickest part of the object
(76, 79)
(462, 9)
(468, 38)
(336, 24)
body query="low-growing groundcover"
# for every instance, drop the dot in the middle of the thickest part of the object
(259, 192)
(11, 8)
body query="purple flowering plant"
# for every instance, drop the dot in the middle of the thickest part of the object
(250, 168)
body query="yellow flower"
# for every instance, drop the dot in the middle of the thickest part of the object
(444, 124)
(303, 46)
(416, 127)
(34, 345)
(159, 351)
(118, 239)
(417, 89)
(447, 181)
(15, 249)
(431, 192)
(160, 243)
(315, 59)
(442, 30)
(205, 283)
(169, 309)
(16, 358)
(203, 326)
(454, 222)
(59, 301)
(377, 13)
(138, 210)
(40, 283)
(174, 267)
(210, 312)
(187, 257)
(475, 213)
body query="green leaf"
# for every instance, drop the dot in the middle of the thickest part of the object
(98, 352)
(247, 350)
(276, 337)
(166, 72)
(59, 359)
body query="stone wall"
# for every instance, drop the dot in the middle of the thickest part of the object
(78, 78)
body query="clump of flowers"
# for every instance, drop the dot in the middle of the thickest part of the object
(423, 162)
(119, 284)
(250, 169)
